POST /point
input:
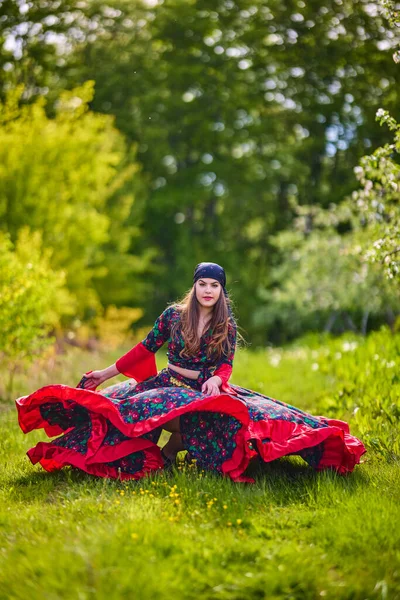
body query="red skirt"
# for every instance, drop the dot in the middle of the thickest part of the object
(114, 432)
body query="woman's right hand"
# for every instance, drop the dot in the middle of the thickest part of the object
(94, 379)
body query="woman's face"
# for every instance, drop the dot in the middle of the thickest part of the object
(207, 291)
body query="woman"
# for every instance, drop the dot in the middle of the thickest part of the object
(114, 432)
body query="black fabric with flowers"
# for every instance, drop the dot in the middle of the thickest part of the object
(161, 333)
(115, 432)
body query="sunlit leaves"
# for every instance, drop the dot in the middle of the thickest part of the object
(63, 177)
(32, 298)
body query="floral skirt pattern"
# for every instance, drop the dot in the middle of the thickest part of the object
(114, 432)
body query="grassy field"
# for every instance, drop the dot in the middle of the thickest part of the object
(294, 534)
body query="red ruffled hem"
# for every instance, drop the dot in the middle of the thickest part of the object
(341, 450)
(53, 458)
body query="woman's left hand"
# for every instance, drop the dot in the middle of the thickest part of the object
(211, 386)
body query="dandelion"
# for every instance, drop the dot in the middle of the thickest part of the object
(225, 507)
(229, 524)
(134, 536)
(238, 521)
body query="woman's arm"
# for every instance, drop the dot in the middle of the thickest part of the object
(225, 364)
(92, 379)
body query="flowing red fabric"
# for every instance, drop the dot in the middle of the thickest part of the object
(138, 363)
(341, 450)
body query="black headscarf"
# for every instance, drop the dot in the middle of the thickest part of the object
(213, 271)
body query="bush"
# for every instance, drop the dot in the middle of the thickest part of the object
(32, 298)
(76, 188)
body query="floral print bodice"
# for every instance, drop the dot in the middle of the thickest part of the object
(161, 333)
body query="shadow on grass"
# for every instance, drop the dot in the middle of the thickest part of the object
(44, 486)
(289, 480)
(285, 481)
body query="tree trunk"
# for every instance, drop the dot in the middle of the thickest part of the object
(364, 322)
(330, 322)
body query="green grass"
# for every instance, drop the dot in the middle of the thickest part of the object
(294, 534)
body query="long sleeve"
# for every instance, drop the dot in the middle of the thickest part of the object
(140, 362)
(160, 332)
(224, 365)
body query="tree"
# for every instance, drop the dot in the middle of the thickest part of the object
(239, 109)
(33, 298)
(67, 178)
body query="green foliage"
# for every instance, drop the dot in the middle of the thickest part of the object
(66, 177)
(323, 278)
(344, 259)
(377, 204)
(231, 125)
(283, 115)
(32, 298)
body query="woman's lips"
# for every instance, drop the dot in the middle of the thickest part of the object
(207, 298)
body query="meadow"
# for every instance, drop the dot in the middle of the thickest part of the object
(294, 534)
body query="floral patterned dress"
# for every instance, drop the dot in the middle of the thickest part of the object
(114, 432)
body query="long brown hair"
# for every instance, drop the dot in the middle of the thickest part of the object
(219, 324)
